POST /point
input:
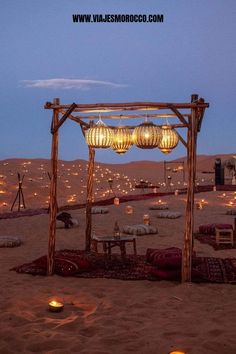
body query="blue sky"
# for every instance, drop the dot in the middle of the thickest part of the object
(193, 51)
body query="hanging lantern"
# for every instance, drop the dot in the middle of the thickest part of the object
(122, 140)
(147, 135)
(99, 136)
(169, 139)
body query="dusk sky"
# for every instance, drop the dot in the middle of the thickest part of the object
(192, 51)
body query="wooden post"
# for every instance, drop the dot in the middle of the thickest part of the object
(53, 192)
(189, 218)
(165, 171)
(234, 228)
(89, 199)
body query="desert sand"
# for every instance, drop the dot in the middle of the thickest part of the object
(104, 316)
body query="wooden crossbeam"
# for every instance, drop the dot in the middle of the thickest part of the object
(132, 116)
(128, 106)
(173, 126)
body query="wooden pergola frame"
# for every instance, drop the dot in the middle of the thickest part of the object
(189, 115)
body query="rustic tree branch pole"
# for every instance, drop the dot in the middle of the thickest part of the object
(189, 218)
(53, 192)
(89, 198)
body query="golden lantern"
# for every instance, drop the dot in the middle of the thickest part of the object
(169, 139)
(147, 135)
(99, 136)
(122, 140)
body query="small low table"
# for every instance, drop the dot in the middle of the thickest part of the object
(108, 242)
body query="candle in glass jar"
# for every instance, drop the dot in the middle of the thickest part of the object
(146, 219)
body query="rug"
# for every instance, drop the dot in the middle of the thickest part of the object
(67, 261)
(208, 269)
(215, 270)
(211, 240)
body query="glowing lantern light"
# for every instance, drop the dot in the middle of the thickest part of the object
(55, 306)
(129, 210)
(147, 135)
(116, 201)
(99, 136)
(122, 140)
(169, 139)
(146, 219)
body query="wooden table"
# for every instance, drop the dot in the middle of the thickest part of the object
(109, 242)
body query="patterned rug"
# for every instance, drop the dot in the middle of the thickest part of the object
(211, 240)
(92, 265)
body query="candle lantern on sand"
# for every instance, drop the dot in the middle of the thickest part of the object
(116, 201)
(146, 219)
(55, 305)
(129, 210)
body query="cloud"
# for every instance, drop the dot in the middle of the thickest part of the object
(69, 84)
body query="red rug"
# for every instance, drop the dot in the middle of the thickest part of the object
(92, 265)
(211, 240)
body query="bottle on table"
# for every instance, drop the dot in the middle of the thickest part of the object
(116, 230)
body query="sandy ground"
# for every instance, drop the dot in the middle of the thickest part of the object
(104, 316)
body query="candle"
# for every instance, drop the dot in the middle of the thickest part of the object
(146, 219)
(129, 209)
(116, 201)
(177, 352)
(199, 205)
(55, 306)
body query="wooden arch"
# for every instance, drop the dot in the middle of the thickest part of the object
(189, 116)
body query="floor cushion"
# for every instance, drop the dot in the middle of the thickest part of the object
(64, 266)
(140, 229)
(66, 218)
(169, 214)
(61, 225)
(161, 274)
(99, 210)
(210, 229)
(10, 241)
(159, 207)
(169, 258)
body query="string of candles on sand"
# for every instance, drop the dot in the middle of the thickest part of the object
(72, 184)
